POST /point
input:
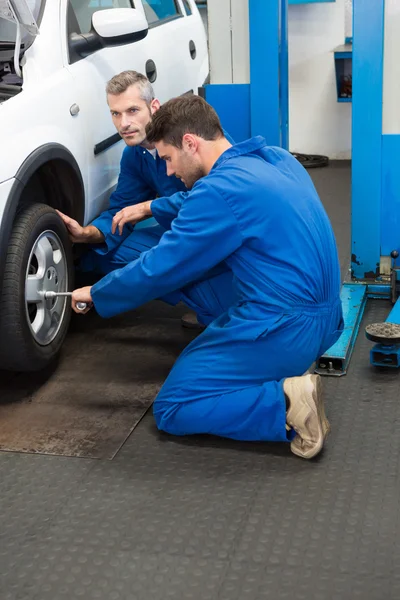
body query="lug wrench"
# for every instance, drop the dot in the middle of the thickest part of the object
(50, 295)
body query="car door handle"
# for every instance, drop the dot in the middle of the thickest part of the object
(151, 71)
(192, 49)
(74, 109)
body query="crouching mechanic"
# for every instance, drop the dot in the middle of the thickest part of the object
(111, 239)
(255, 208)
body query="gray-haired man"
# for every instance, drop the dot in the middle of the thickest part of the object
(113, 240)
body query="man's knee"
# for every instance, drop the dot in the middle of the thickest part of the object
(164, 415)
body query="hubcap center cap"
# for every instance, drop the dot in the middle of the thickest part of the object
(51, 280)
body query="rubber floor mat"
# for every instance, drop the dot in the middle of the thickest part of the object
(92, 399)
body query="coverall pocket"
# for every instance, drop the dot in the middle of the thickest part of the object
(279, 322)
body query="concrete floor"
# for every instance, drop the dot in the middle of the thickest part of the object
(151, 517)
(202, 518)
(336, 199)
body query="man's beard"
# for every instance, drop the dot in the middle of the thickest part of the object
(136, 140)
(193, 176)
(140, 137)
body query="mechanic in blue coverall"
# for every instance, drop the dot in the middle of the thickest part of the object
(254, 207)
(113, 241)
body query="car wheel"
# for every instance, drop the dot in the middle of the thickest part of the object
(39, 259)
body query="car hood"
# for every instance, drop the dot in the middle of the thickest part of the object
(18, 11)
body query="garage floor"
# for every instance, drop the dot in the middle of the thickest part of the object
(202, 518)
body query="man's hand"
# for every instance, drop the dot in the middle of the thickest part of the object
(79, 234)
(82, 295)
(131, 214)
(76, 231)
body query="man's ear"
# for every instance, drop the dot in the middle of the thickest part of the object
(155, 105)
(190, 143)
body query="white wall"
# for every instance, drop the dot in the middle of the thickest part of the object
(391, 69)
(228, 41)
(348, 18)
(318, 124)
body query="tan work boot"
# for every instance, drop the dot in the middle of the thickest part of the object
(306, 414)
(189, 320)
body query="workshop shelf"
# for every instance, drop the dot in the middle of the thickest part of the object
(343, 67)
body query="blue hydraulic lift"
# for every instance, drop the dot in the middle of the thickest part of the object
(375, 216)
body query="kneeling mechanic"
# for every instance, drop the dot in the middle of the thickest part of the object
(253, 208)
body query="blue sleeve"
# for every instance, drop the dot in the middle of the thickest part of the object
(204, 234)
(131, 189)
(166, 209)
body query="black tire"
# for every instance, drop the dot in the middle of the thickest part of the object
(312, 161)
(19, 350)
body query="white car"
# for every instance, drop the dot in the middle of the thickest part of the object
(58, 146)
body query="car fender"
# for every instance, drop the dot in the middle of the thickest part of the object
(37, 158)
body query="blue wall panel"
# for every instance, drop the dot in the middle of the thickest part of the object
(390, 218)
(232, 103)
(261, 107)
(284, 75)
(368, 31)
(264, 70)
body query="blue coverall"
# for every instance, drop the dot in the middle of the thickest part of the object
(143, 177)
(258, 211)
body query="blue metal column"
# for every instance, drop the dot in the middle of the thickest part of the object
(284, 75)
(368, 36)
(269, 70)
(390, 216)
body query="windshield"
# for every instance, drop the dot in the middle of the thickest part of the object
(8, 29)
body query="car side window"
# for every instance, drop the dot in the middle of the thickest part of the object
(80, 17)
(157, 11)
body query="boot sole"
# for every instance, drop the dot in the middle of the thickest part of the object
(192, 325)
(323, 421)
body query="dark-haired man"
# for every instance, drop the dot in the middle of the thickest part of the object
(255, 208)
(112, 240)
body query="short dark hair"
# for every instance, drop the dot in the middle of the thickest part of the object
(186, 114)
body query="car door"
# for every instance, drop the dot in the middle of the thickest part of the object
(178, 46)
(194, 54)
(90, 75)
(157, 55)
